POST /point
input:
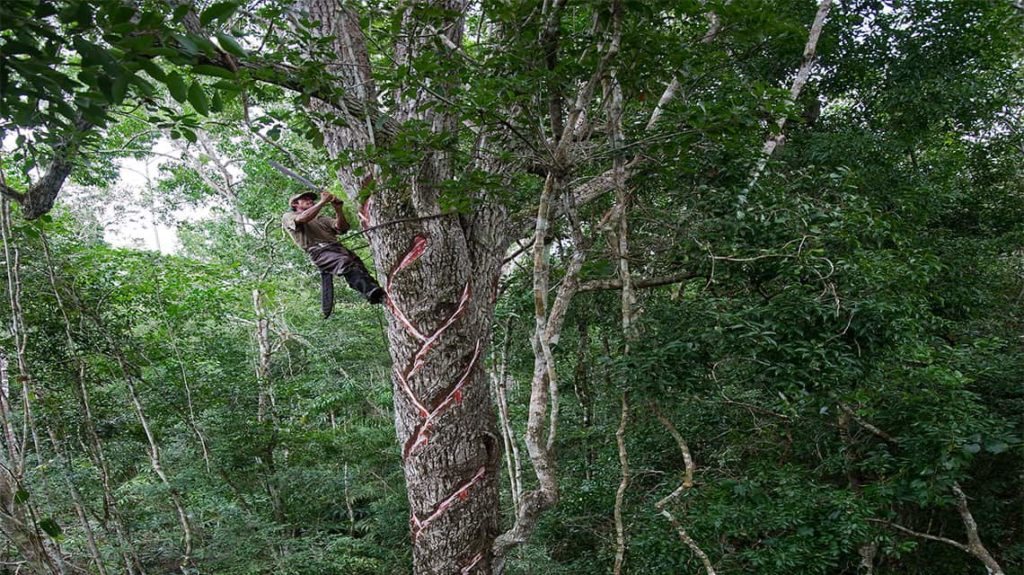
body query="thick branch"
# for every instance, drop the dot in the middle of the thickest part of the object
(616, 283)
(38, 199)
(802, 75)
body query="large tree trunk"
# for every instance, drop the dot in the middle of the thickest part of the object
(440, 273)
(441, 311)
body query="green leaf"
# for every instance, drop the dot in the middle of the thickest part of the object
(105, 85)
(176, 86)
(181, 11)
(230, 45)
(197, 97)
(217, 104)
(187, 45)
(119, 87)
(121, 14)
(204, 44)
(218, 11)
(50, 527)
(996, 447)
(208, 70)
(228, 87)
(155, 72)
(21, 496)
(144, 86)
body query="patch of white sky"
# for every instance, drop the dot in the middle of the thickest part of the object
(131, 211)
(134, 215)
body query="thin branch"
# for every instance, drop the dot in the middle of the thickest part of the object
(616, 283)
(860, 421)
(620, 531)
(662, 505)
(921, 535)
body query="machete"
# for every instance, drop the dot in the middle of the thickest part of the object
(294, 176)
(326, 279)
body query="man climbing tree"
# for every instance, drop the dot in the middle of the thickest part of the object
(317, 236)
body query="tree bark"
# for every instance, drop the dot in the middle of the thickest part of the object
(620, 493)
(78, 503)
(802, 75)
(14, 518)
(440, 275)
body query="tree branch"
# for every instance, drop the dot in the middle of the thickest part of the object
(620, 531)
(802, 75)
(616, 283)
(687, 483)
(860, 421)
(921, 535)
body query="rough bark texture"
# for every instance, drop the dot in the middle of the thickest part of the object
(440, 274)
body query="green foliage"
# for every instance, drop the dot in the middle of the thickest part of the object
(875, 270)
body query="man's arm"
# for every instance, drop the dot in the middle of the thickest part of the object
(340, 223)
(308, 215)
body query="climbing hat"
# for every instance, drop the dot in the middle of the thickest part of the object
(296, 197)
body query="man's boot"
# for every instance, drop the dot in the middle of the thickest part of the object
(360, 280)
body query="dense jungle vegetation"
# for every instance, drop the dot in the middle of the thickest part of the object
(793, 340)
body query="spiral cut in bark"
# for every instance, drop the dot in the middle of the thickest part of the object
(429, 412)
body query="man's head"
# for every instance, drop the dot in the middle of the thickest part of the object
(302, 202)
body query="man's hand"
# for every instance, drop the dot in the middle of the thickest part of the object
(326, 197)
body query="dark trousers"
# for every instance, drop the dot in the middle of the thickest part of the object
(336, 259)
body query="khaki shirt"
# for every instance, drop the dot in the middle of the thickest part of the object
(320, 230)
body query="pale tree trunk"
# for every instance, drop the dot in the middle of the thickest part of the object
(261, 331)
(155, 460)
(78, 503)
(157, 466)
(15, 513)
(190, 414)
(511, 444)
(620, 493)
(13, 259)
(94, 446)
(18, 519)
(266, 404)
(620, 242)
